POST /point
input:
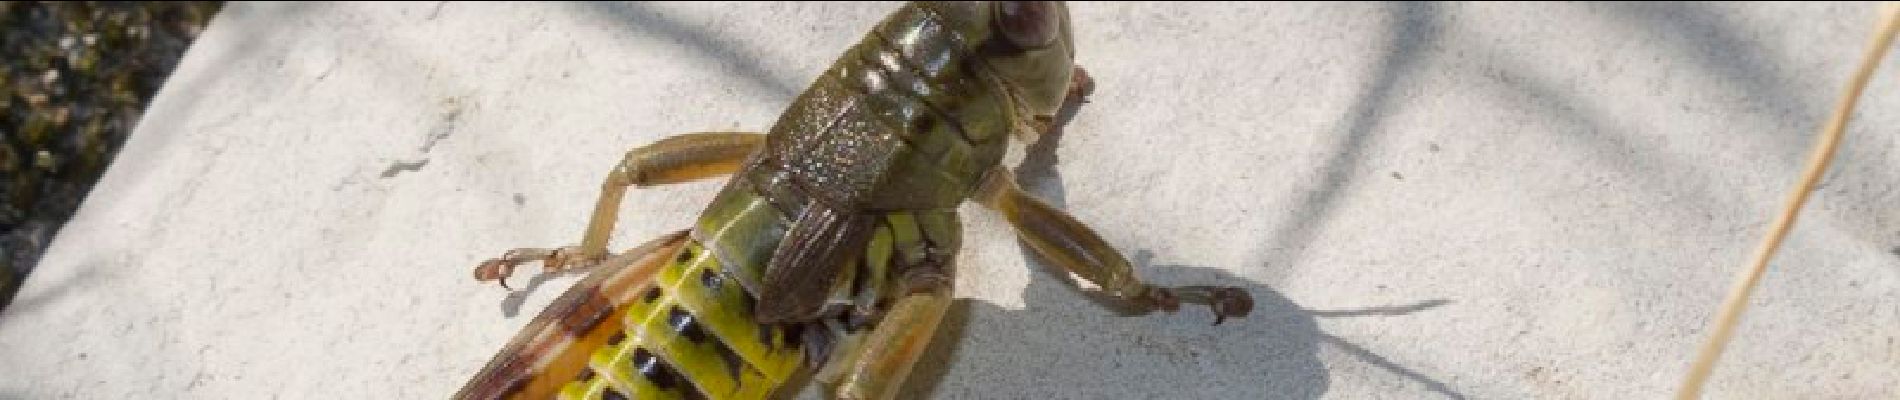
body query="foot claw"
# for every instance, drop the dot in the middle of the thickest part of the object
(496, 270)
(1230, 302)
(552, 261)
(1080, 84)
(1225, 301)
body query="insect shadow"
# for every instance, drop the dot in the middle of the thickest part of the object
(1271, 353)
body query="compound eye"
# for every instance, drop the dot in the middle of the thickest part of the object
(1028, 24)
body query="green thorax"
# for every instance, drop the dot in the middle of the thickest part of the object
(906, 121)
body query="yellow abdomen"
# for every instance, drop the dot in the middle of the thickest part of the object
(687, 335)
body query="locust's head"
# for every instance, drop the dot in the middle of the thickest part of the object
(1027, 44)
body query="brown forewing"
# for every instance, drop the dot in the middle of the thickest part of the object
(806, 264)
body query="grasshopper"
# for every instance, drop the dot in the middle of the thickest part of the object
(831, 249)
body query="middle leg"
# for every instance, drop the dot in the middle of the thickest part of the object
(677, 159)
(1074, 247)
(881, 361)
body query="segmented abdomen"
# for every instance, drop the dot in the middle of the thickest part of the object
(671, 324)
(688, 335)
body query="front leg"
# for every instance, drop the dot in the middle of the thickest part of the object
(677, 159)
(1035, 127)
(1071, 245)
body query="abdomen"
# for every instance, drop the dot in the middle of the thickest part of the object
(683, 331)
(690, 335)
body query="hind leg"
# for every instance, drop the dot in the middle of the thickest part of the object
(677, 159)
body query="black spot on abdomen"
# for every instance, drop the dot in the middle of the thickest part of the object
(656, 371)
(611, 394)
(685, 325)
